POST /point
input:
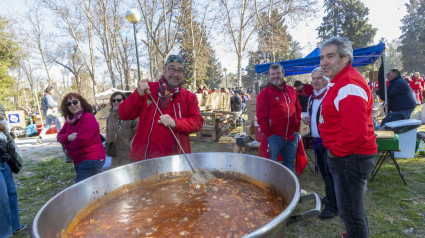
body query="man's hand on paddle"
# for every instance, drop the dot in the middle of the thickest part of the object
(143, 87)
(166, 120)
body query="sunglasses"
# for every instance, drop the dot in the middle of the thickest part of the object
(69, 103)
(116, 100)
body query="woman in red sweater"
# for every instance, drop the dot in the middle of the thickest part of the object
(80, 136)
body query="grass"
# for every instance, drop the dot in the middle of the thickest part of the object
(37, 183)
(394, 209)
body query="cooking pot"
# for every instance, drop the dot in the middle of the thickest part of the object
(57, 214)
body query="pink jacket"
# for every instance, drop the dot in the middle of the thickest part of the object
(153, 139)
(87, 145)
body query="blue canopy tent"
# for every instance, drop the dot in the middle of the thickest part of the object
(362, 57)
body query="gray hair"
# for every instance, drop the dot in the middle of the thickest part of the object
(318, 69)
(344, 46)
(277, 66)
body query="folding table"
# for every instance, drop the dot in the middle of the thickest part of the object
(387, 144)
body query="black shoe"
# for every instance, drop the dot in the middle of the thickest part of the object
(22, 227)
(326, 214)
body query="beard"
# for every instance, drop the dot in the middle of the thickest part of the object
(277, 82)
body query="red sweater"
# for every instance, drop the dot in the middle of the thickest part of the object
(278, 112)
(153, 139)
(306, 91)
(87, 145)
(346, 126)
(417, 84)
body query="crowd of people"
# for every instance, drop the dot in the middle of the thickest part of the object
(340, 117)
(337, 106)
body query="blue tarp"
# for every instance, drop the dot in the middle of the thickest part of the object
(362, 57)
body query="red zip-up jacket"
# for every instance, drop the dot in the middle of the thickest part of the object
(346, 125)
(278, 112)
(153, 139)
(306, 91)
(87, 145)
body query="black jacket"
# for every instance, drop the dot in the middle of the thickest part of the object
(400, 95)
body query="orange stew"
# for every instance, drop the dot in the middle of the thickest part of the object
(226, 207)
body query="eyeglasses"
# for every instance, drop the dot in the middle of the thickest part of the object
(69, 103)
(116, 100)
(173, 70)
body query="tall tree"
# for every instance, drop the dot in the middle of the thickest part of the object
(74, 20)
(38, 35)
(243, 19)
(201, 65)
(347, 18)
(161, 21)
(274, 43)
(9, 58)
(394, 57)
(240, 18)
(413, 37)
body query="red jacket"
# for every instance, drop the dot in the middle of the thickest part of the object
(87, 145)
(417, 84)
(306, 91)
(278, 112)
(153, 139)
(346, 125)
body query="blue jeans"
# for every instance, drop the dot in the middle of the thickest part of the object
(9, 216)
(49, 121)
(350, 174)
(88, 168)
(288, 149)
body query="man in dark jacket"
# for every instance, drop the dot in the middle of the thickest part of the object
(400, 97)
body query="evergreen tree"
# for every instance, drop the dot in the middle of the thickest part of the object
(197, 51)
(394, 57)
(9, 56)
(413, 37)
(347, 18)
(274, 44)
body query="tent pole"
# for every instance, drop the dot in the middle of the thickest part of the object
(385, 83)
(257, 88)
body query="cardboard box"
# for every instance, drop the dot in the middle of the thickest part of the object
(247, 127)
(251, 103)
(373, 76)
(228, 147)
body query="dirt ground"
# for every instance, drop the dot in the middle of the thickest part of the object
(31, 150)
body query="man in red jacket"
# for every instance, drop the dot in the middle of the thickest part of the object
(418, 85)
(347, 132)
(279, 117)
(180, 112)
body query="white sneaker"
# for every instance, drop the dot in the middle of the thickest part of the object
(40, 140)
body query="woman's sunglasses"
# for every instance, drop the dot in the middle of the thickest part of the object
(69, 103)
(116, 100)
